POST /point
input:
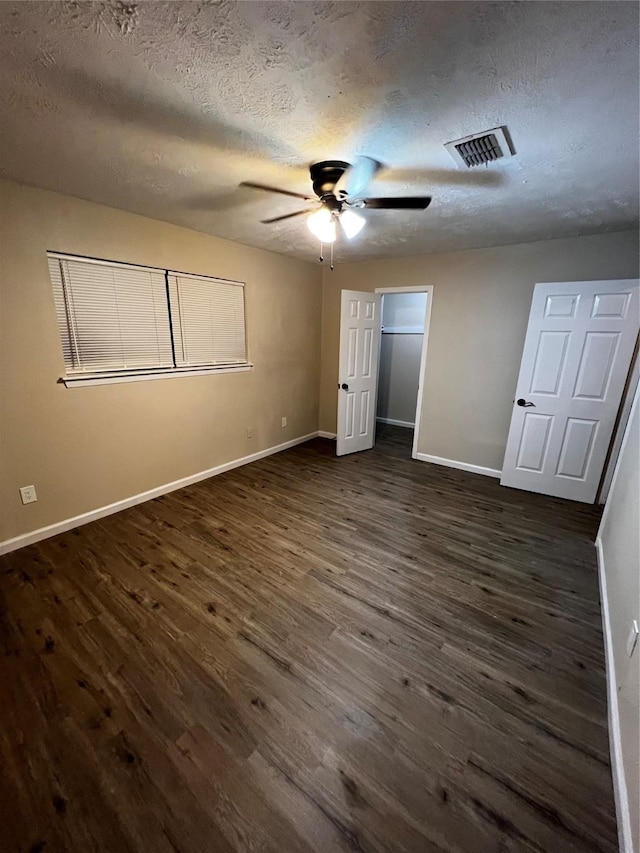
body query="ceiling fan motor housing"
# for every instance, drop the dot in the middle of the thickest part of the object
(325, 176)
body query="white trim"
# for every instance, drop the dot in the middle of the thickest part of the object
(625, 438)
(462, 466)
(86, 517)
(623, 419)
(420, 288)
(80, 381)
(323, 434)
(423, 368)
(615, 739)
(395, 423)
(615, 742)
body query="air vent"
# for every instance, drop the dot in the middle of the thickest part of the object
(480, 148)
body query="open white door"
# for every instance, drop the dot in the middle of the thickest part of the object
(576, 358)
(358, 371)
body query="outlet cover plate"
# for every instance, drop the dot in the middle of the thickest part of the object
(28, 494)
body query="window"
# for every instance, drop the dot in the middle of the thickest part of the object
(119, 320)
(208, 320)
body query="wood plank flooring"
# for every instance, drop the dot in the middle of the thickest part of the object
(309, 654)
(394, 440)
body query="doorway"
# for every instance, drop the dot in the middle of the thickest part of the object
(405, 314)
(360, 338)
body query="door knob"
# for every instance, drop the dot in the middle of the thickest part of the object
(344, 386)
(524, 403)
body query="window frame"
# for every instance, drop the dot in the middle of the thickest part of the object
(109, 377)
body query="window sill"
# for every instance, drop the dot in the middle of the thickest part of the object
(81, 381)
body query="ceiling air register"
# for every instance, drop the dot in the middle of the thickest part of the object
(480, 148)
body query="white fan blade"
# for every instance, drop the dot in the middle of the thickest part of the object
(355, 179)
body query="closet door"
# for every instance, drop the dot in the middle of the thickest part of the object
(358, 371)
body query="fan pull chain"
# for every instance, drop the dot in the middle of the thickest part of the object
(321, 258)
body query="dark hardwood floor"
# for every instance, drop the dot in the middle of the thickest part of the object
(309, 654)
(393, 440)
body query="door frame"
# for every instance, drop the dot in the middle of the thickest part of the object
(628, 396)
(420, 288)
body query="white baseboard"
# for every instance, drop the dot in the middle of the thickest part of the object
(615, 741)
(408, 424)
(462, 466)
(322, 434)
(69, 523)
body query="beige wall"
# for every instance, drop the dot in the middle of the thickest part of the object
(620, 541)
(87, 447)
(479, 317)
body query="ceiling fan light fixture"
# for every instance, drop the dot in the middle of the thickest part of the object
(339, 187)
(322, 224)
(351, 223)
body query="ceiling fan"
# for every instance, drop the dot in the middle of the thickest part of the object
(339, 189)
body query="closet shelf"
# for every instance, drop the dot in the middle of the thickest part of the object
(402, 330)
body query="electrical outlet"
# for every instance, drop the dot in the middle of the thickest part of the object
(284, 423)
(632, 641)
(28, 494)
(249, 432)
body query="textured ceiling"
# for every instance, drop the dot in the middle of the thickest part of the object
(163, 108)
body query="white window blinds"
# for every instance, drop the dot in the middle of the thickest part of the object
(121, 319)
(110, 317)
(208, 320)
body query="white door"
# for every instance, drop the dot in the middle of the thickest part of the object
(358, 371)
(576, 358)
